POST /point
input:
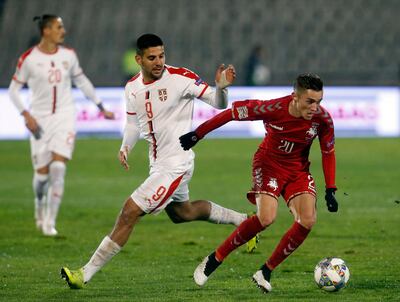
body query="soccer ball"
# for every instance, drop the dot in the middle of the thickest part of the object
(331, 274)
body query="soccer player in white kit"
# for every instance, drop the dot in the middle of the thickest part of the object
(48, 69)
(160, 107)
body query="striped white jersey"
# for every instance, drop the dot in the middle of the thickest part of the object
(163, 111)
(49, 78)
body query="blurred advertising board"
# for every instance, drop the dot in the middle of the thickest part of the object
(356, 111)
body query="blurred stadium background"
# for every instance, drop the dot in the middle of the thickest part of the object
(347, 42)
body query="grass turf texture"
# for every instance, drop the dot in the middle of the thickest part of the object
(158, 261)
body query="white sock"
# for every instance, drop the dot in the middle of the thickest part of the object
(56, 191)
(106, 250)
(40, 187)
(39, 184)
(223, 215)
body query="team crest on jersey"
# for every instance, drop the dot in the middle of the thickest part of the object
(65, 65)
(162, 94)
(273, 184)
(312, 132)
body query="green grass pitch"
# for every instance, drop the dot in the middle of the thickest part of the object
(158, 261)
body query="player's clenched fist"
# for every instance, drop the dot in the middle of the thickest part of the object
(188, 140)
(331, 201)
(224, 77)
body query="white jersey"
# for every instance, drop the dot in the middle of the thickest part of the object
(164, 111)
(49, 78)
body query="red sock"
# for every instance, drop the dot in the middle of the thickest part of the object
(293, 238)
(243, 233)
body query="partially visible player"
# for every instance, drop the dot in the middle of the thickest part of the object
(48, 69)
(160, 102)
(280, 167)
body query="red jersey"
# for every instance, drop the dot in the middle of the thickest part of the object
(288, 139)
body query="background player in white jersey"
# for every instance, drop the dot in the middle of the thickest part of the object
(48, 69)
(160, 107)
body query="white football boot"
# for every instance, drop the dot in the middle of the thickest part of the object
(262, 282)
(205, 269)
(48, 228)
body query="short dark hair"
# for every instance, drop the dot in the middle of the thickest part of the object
(44, 21)
(308, 81)
(147, 40)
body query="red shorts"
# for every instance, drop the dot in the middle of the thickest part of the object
(270, 178)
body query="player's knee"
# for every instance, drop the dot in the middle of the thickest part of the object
(308, 221)
(266, 219)
(43, 170)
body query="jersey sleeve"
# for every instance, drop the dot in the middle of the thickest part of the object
(132, 129)
(196, 87)
(251, 110)
(21, 74)
(129, 102)
(326, 132)
(326, 137)
(76, 69)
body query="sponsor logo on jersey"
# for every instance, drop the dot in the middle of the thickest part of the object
(273, 184)
(162, 94)
(276, 127)
(65, 65)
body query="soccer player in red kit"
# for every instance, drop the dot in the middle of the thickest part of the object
(280, 167)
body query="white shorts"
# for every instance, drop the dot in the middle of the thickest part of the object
(58, 136)
(161, 188)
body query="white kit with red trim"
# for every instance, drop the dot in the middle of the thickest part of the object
(49, 79)
(164, 111)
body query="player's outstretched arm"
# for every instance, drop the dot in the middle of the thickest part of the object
(190, 139)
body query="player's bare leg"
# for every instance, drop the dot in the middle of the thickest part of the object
(127, 219)
(108, 248)
(180, 212)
